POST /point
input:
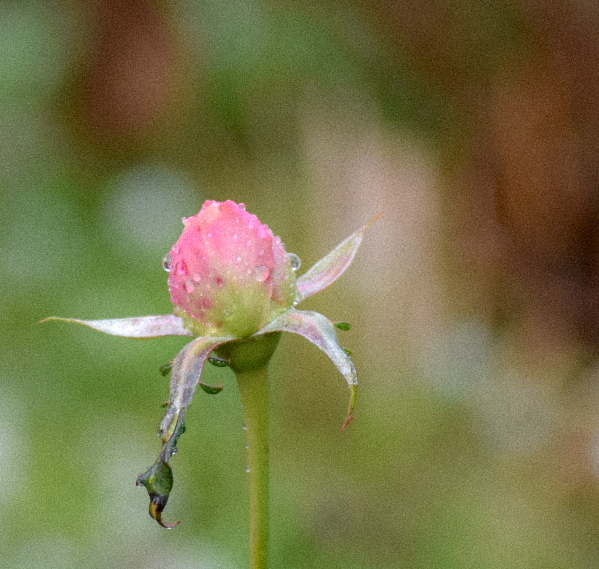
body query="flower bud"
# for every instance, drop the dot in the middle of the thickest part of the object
(229, 274)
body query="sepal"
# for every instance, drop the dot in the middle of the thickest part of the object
(331, 267)
(319, 330)
(185, 377)
(141, 327)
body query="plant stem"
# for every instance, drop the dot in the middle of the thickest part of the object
(253, 386)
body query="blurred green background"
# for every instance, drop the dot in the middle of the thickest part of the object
(474, 300)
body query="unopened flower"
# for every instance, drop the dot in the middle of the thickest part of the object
(229, 275)
(234, 289)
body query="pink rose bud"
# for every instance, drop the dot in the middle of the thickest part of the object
(229, 274)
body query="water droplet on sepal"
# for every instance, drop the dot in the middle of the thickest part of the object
(295, 261)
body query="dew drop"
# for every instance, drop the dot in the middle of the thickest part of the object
(261, 273)
(248, 469)
(234, 237)
(196, 278)
(245, 426)
(166, 263)
(189, 286)
(242, 206)
(296, 262)
(238, 260)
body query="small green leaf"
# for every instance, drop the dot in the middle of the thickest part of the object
(342, 325)
(212, 389)
(218, 362)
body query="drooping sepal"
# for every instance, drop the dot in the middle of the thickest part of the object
(331, 267)
(319, 330)
(141, 327)
(185, 377)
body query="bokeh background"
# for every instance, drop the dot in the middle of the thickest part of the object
(474, 301)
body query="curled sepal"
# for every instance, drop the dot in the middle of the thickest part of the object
(158, 481)
(319, 330)
(141, 327)
(331, 267)
(185, 376)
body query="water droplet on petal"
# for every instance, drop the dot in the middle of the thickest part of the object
(261, 273)
(189, 286)
(238, 260)
(196, 278)
(234, 236)
(166, 263)
(296, 262)
(242, 206)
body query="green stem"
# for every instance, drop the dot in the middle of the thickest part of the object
(253, 385)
